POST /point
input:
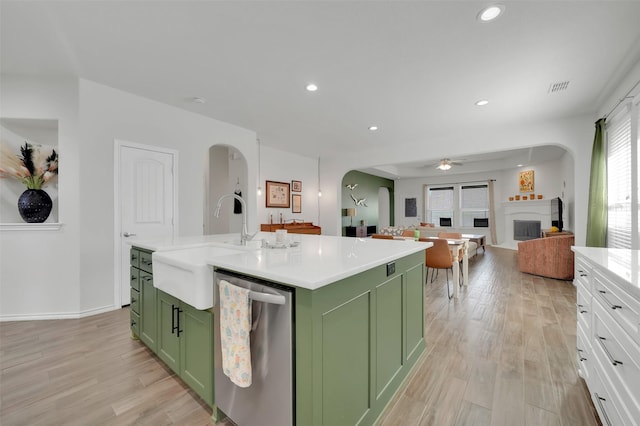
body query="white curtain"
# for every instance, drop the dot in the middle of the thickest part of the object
(492, 213)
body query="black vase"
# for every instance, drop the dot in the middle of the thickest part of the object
(34, 205)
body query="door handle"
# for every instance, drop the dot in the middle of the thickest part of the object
(127, 235)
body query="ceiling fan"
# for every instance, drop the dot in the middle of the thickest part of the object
(445, 164)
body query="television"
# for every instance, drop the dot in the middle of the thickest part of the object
(556, 213)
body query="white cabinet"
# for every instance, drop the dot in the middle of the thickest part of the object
(608, 331)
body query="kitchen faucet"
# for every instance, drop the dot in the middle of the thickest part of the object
(244, 234)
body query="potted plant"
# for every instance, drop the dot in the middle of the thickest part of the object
(35, 167)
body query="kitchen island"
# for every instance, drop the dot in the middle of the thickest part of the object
(358, 317)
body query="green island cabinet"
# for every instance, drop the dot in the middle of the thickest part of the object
(179, 334)
(185, 343)
(356, 341)
(143, 298)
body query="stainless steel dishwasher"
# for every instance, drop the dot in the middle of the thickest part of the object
(269, 399)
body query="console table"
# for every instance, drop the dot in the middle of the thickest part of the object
(292, 228)
(360, 231)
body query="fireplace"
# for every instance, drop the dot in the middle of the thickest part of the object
(525, 211)
(526, 229)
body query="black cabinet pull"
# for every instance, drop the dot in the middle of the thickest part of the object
(580, 354)
(133, 300)
(582, 311)
(599, 400)
(613, 360)
(173, 319)
(133, 323)
(611, 305)
(178, 329)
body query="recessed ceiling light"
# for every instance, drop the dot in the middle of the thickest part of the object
(519, 165)
(311, 87)
(198, 100)
(373, 128)
(490, 13)
(482, 102)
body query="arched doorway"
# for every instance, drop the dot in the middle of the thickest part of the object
(227, 173)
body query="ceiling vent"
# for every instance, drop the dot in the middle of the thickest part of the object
(559, 86)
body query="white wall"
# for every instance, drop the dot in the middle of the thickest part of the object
(281, 166)
(574, 134)
(71, 272)
(40, 270)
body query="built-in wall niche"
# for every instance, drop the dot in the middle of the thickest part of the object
(42, 134)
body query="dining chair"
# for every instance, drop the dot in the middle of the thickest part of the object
(454, 236)
(439, 257)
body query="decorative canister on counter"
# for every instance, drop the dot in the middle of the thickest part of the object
(510, 198)
(539, 196)
(517, 198)
(532, 196)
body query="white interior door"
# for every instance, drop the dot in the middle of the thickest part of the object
(146, 194)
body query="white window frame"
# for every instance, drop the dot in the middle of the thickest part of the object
(457, 211)
(627, 236)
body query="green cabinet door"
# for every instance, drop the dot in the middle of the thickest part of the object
(346, 343)
(414, 320)
(389, 330)
(168, 344)
(196, 351)
(149, 322)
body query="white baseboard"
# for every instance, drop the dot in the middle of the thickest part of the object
(58, 315)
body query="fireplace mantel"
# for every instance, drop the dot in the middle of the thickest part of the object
(524, 210)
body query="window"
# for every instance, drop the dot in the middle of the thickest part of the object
(474, 203)
(440, 204)
(461, 204)
(622, 178)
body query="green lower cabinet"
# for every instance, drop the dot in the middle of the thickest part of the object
(149, 322)
(196, 351)
(356, 342)
(185, 343)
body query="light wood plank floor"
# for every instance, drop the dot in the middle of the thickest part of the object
(503, 354)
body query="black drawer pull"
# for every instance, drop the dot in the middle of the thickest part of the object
(133, 323)
(582, 311)
(613, 361)
(133, 300)
(148, 278)
(583, 275)
(599, 400)
(580, 354)
(611, 305)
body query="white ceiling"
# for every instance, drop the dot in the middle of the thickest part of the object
(413, 68)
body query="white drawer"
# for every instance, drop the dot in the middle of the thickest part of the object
(583, 306)
(582, 272)
(606, 401)
(619, 356)
(583, 353)
(624, 309)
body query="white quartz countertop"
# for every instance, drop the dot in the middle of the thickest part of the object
(318, 260)
(624, 264)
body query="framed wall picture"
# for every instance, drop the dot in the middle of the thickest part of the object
(296, 186)
(526, 181)
(296, 203)
(278, 195)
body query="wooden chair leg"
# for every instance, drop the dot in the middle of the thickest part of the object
(448, 291)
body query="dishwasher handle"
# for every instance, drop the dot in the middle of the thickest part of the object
(275, 299)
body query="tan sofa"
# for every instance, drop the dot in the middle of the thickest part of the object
(547, 257)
